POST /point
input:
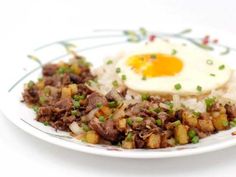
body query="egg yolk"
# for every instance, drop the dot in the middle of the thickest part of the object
(155, 65)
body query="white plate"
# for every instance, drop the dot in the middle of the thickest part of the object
(96, 46)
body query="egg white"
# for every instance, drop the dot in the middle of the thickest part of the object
(195, 71)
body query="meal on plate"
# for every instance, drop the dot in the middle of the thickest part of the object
(158, 95)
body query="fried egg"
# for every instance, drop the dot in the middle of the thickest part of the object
(163, 67)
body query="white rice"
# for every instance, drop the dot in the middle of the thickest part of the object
(106, 75)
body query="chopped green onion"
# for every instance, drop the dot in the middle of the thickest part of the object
(112, 104)
(209, 62)
(109, 62)
(153, 56)
(76, 104)
(123, 77)
(85, 127)
(111, 116)
(78, 97)
(30, 84)
(232, 124)
(176, 123)
(191, 133)
(159, 122)
(196, 113)
(42, 99)
(173, 52)
(145, 96)
(178, 86)
(139, 119)
(195, 139)
(144, 78)
(157, 110)
(199, 88)
(171, 105)
(99, 105)
(213, 75)
(36, 109)
(118, 70)
(129, 121)
(74, 112)
(115, 83)
(101, 118)
(209, 102)
(225, 123)
(221, 67)
(46, 123)
(63, 69)
(129, 136)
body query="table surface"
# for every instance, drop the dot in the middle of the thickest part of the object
(27, 24)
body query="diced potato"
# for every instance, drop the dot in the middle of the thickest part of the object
(41, 84)
(92, 137)
(181, 134)
(190, 119)
(206, 125)
(127, 144)
(106, 110)
(220, 122)
(74, 89)
(75, 68)
(122, 124)
(154, 141)
(66, 92)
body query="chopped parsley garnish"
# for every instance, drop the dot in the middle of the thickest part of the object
(99, 105)
(209, 62)
(195, 139)
(123, 77)
(118, 70)
(115, 83)
(159, 122)
(144, 78)
(178, 86)
(221, 67)
(209, 102)
(173, 52)
(109, 62)
(101, 118)
(199, 88)
(145, 96)
(129, 121)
